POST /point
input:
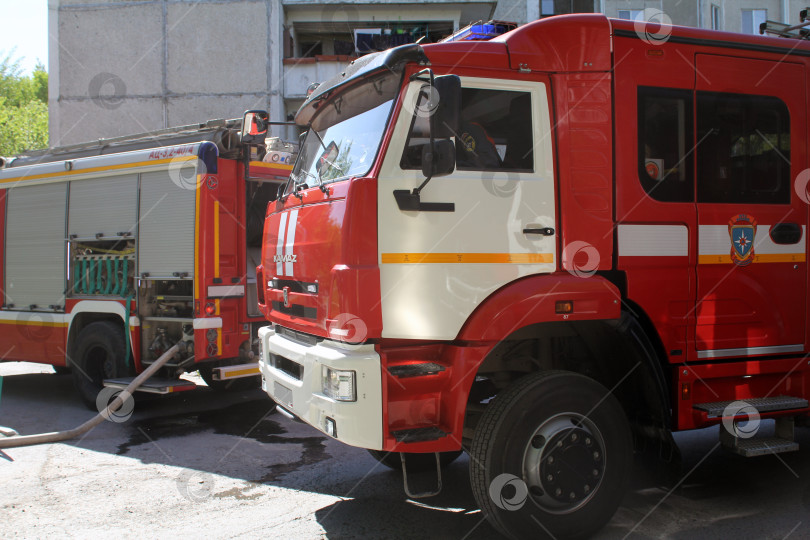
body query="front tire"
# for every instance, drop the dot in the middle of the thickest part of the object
(100, 353)
(554, 449)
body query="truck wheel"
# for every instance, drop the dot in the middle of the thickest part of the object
(416, 462)
(551, 456)
(233, 385)
(100, 352)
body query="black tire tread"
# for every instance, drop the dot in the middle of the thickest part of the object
(99, 328)
(486, 427)
(485, 431)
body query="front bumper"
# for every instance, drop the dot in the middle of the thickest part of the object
(299, 390)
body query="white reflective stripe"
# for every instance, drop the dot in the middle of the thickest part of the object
(282, 228)
(288, 250)
(750, 351)
(653, 241)
(715, 240)
(205, 324)
(221, 291)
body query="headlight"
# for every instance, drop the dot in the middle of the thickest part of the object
(338, 385)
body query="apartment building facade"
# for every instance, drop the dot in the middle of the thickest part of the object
(120, 67)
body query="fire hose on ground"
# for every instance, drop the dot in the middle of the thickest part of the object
(126, 393)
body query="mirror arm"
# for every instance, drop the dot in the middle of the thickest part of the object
(432, 121)
(418, 190)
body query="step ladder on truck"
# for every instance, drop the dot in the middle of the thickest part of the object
(551, 249)
(114, 251)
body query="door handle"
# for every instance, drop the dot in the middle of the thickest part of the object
(545, 231)
(786, 233)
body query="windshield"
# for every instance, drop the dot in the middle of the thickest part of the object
(345, 135)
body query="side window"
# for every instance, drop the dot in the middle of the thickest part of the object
(495, 132)
(665, 166)
(743, 149)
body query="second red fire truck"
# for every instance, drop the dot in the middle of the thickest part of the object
(114, 251)
(547, 249)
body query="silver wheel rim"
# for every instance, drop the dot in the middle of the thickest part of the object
(564, 463)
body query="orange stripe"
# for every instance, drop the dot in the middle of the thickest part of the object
(33, 323)
(467, 258)
(265, 165)
(78, 172)
(249, 371)
(764, 258)
(197, 253)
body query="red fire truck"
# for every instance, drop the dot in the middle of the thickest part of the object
(116, 250)
(548, 249)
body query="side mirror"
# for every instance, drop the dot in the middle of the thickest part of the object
(439, 156)
(327, 160)
(439, 160)
(444, 121)
(254, 127)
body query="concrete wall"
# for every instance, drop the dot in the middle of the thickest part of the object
(126, 67)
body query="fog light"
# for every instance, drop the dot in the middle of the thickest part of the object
(330, 427)
(338, 385)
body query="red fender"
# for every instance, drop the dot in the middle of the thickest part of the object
(534, 299)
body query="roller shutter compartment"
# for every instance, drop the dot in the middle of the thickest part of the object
(35, 246)
(166, 226)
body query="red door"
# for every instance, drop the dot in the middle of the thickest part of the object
(751, 271)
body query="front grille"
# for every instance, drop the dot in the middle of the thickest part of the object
(296, 310)
(300, 337)
(301, 287)
(293, 369)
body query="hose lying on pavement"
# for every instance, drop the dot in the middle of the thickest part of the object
(57, 436)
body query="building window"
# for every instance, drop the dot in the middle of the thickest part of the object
(743, 149)
(630, 14)
(665, 144)
(495, 132)
(560, 7)
(752, 18)
(715, 17)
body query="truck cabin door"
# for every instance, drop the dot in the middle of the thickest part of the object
(437, 266)
(752, 239)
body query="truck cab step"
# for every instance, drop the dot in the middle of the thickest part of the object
(155, 385)
(763, 446)
(762, 405)
(783, 440)
(422, 434)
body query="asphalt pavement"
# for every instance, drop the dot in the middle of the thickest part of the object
(227, 465)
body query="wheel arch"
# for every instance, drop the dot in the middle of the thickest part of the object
(87, 312)
(621, 354)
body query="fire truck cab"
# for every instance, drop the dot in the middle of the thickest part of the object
(548, 249)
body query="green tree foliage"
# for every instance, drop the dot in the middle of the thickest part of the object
(23, 108)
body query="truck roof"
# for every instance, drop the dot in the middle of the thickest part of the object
(223, 133)
(563, 43)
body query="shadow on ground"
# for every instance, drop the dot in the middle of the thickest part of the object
(239, 435)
